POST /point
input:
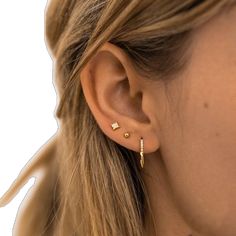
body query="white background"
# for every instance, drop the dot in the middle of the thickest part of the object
(27, 96)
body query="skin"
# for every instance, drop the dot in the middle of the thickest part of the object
(189, 134)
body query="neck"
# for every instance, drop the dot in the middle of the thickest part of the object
(166, 215)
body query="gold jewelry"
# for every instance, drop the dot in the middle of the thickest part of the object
(141, 152)
(126, 134)
(115, 125)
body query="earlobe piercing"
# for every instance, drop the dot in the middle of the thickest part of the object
(141, 152)
(126, 134)
(115, 125)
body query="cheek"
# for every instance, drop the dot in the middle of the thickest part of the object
(200, 153)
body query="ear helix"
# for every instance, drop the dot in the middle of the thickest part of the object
(116, 126)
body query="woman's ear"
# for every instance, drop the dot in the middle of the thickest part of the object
(115, 92)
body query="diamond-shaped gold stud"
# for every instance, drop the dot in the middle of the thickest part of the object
(115, 125)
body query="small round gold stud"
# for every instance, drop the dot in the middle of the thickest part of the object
(126, 134)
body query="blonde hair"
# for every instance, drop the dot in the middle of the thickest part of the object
(97, 187)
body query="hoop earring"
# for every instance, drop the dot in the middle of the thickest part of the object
(141, 152)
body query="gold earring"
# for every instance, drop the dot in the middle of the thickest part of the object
(141, 152)
(115, 125)
(126, 134)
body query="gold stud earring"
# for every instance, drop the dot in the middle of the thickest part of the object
(141, 152)
(126, 134)
(115, 125)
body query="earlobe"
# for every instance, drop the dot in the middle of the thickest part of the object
(116, 126)
(113, 93)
